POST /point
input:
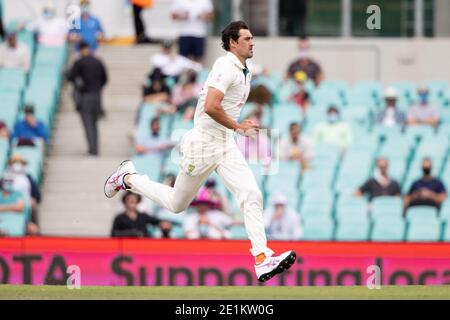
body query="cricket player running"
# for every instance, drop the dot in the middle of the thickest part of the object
(210, 146)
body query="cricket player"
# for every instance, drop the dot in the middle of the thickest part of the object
(210, 146)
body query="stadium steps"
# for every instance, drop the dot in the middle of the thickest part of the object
(73, 200)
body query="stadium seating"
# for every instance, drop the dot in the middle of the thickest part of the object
(318, 228)
(388, 228)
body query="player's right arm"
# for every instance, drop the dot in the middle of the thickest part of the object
(213, 108)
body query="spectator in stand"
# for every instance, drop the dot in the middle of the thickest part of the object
(132, 223)
(426, 191)
(305, 63)
(301, 96)
(217, 197)
(334, 131)
(27, 186)
(14, 54)
(185, 94)
(139, 26)
(10, 200)
(282, 223)
(296, 147)
(172, 64)
(424, 113)
(89, 31)
(158, 93)
(89, 76)
(30, 127)
(192, 17)
(380, 184)
(51, 30)
(391, 117)
(207, 222)
(153, 144)
(4, 132)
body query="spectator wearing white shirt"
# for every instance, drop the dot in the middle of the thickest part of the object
(296, 147)
(391, 117)
(423, 113)
(193, 17)
(51, 29)
(14, 54)
(172, 64)
(282, 223)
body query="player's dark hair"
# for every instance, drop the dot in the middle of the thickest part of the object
(231, 31)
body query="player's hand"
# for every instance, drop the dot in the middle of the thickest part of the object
(248, 128)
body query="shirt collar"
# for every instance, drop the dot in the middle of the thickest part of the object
(235, 60)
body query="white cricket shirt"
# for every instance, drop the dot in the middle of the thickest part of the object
(233, 79)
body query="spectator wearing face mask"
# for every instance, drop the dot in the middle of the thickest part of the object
(423, 113)
(391, 117)
(334, 131)
(426, 191)
(90, 29)
(305, 63)
(25, 184)
(51, 30)
(10, 200)
(380, 184)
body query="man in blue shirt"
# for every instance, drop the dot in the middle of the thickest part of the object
(153, 144)
(427, 191)
(90, 29)
(30, 127)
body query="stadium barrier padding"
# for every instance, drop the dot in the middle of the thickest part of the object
(120, 262)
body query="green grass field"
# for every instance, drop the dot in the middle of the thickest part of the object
(223, 293)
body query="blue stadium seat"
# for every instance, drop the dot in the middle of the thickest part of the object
(238, 232)
(318, 228)
(423, 229)
(421, 212)
(13, 223)
(386, 206)
(387, 228)
(354, 228)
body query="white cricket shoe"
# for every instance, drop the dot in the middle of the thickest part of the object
(274, 265)
(115, 181)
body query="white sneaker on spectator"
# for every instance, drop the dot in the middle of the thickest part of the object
(274, 265)
(115, 181)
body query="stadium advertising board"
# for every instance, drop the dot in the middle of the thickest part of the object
(183, 262)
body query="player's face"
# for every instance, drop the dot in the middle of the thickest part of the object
(244, 45)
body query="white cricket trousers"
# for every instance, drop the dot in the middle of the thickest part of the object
(195, 168)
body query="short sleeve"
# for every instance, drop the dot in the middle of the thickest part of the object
(440, 187)
(221, 77)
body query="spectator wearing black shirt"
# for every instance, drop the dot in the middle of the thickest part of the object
(132, 223)
(380, 184)
(89, 76)
(427, 191)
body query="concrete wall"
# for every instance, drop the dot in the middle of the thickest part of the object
(442, 22)
(357, 59)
